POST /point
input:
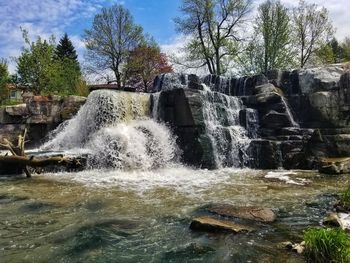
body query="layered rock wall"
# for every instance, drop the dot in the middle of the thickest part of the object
(302, 115)
(39, 115)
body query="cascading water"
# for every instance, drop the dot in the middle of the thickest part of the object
(229, 139)
(289, 113)
(116, 131)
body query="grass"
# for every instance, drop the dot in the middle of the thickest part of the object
(345, 197)
(327, 245)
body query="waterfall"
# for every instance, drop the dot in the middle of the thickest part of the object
(229, 139)
(289, 113)
(116, 130)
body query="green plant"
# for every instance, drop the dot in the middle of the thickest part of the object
(345, 197)
(327, 245)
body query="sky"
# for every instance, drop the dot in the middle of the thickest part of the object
(55, 17)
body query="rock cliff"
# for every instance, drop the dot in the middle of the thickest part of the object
(39, 115)
(291, 118)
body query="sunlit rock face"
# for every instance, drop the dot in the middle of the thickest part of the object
(285, 119)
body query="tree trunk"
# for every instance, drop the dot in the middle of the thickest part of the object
(218, 66)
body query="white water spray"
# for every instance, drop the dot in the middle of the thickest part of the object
(116, 130)
(229, 139)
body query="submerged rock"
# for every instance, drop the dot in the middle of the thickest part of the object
(212, 224)
(259, 214)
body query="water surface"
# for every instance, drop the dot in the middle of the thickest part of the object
(144, 216)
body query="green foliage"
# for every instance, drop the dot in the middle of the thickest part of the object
(271, 47)
(325, 54)
(327, 245)
(4, 80)
(36, 66)
(345, 197)
(346, 48)
(65, 49)
(46, 68)
(108, 42)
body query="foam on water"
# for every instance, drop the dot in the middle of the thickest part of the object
(176, 178)
(285, 176)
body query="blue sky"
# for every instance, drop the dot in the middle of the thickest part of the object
(54, 17)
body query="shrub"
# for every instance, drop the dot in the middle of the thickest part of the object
(327, 245)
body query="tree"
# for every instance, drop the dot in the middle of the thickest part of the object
(112, 36)
(4, 79)
(272, 27)
(65, 49)
(325, 54)
(143, 64)
(212, 26)
(312, 28)
(331, 52)
(36, 66)
(68, 66)
(346, 48)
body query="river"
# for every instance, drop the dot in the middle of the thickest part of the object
(144, 216)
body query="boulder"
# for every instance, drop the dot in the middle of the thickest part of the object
(211, 224)
(319, 79)
(267, 88)
(335, 165)
(17, 110)
(259, 214)
(275, 120)
(267, 98)
(264, 154)
(341, 220)
(332, 220)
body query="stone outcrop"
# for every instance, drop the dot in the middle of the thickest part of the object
(335, 166)
(39, 115)
(292, 118)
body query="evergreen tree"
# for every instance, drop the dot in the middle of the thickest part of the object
(68, 65)
(65, 49)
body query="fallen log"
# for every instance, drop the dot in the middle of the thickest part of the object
(40, 162)
(19, 162)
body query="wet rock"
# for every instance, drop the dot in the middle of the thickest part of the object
(295, 247)
(341, 220)
(267, 88)
(332, 220)
(265, 154)
(335, 165)
(259, 214)
(275, 120)
(212, 224)
(298, 248)
(268, 98)
(344, 219)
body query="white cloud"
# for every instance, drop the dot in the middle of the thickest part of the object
(41, 18)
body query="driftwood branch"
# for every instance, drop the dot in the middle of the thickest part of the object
(20, 160)
(39, 162)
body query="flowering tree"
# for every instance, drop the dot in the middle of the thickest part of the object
(143, 64)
